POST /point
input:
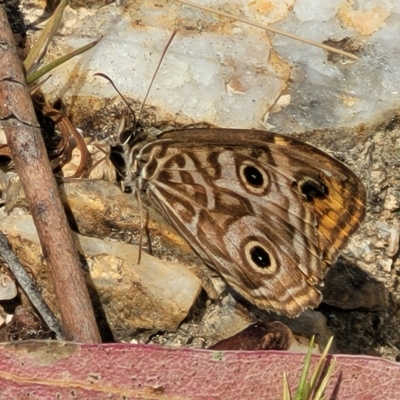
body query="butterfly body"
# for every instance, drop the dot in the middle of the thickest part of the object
(269, 213)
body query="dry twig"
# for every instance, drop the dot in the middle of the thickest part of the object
(29, 287)
(18, 119)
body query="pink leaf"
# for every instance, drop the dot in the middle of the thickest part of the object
(62, 370)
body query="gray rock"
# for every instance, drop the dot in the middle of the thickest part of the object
(349, 287)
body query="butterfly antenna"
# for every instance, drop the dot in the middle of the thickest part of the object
(120, 94)
(155, 74)
(135, 120)
(137, 194)
(134, 127)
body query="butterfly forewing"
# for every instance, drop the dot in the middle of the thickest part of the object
(266, 211)
(335, 193)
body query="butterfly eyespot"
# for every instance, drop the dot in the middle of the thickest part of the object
(313, 189)
(260, 258)
(254, 178)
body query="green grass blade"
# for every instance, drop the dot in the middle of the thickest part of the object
(286, 388)
(320, 392)
(311, 389)
(320, 364)
(39, 49)
(46, 69)
(302, 384)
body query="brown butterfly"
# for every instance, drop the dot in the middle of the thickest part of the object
(269, 213)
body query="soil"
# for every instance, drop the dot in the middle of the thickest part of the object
(372, 152)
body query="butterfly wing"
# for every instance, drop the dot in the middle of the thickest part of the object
(266, 211)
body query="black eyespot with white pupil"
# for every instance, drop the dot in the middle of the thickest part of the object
(260, 257)
(253, 177)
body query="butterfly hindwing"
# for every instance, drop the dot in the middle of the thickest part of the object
(266, 211)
